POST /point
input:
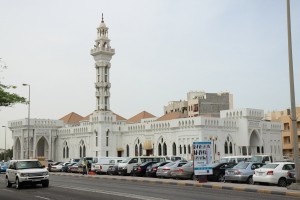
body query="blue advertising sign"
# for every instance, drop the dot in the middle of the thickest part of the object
(203, 157)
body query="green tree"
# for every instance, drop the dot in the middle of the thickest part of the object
(8, 99)
(6, 155)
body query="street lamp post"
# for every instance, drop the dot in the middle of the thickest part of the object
(292, 93)
(28, 119)
(4, 143)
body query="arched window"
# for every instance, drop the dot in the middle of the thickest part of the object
(64, 152)
(136, 152)
(159, 149)
(226, 147)
(230, 148)
(189, 149)
(141, 150)
(80, 151)
(174, 149)
(180, 149)
(84, 151)
(67, 152)
(107, 132)
(184, 149)
(258, 149)
(127, 150)
(165, 149)
(262, 149)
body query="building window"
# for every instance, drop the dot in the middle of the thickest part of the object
(159, 149)
(174, 149)
(96, 134)
(180, 149)
(226, 147)
(141, 150)
(165, 149)
(127, 150)
(107, 137)
(189, 149)
(106, 153)
(136, 152)
(230, 148)
(184, 149)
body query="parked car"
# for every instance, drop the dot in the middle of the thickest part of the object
(273, 173)
(291, 177)
(234, 159)
(73, 168)
(112, 170)
(66, 167)
(184, 172)
(101, 164)
(165, 171)
(151, 170)
(3, 167)
(261, 158)
(140, 170)
(219, 171)
(242, 172)
(58, 167)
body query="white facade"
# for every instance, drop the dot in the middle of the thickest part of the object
(236, 132)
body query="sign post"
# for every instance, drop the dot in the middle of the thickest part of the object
(203, 157)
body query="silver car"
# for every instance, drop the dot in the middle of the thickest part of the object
(184, 172)
(242, 172)
(166, 170)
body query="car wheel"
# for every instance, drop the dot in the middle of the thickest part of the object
(221, 178)
(250, 180)
(282, 182)
(18, 184)
(8, 184)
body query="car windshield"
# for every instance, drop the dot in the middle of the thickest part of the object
(28, 164)
(241, 165)
(189, 164)
(270, 166)
(170, 164)
(256, 159)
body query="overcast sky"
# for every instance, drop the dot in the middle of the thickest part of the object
(164, 49)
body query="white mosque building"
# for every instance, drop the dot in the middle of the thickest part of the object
(104, 133)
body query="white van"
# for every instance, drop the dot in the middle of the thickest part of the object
(234, 159)
(125, 167)
(262, 158)
(101, 164)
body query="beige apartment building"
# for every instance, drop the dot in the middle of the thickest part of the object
(287, 135)
(200, 103)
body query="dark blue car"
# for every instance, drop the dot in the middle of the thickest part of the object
(3, 167)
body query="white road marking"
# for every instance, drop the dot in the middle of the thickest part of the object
(42, 197)
(7, 190)
(134, 196)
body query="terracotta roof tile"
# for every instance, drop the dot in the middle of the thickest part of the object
(139, 117)
(119, 118)
(172, 115)
(71, 118)
(86, 118)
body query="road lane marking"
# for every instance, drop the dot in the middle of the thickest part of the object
(134, 196)
(7, 190)
(42, 197)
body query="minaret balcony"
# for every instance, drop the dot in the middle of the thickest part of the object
(102, 50)
(102, 84)
(98, 94)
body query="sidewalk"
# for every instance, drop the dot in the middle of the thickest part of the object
(214, 185)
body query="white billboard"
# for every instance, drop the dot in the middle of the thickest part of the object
(203, 157)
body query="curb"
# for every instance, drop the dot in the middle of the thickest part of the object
(210, 185)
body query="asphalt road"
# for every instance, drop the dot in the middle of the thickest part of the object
(83, 187)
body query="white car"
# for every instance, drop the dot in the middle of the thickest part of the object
(21, 172)
(58, 167)
(273, 173)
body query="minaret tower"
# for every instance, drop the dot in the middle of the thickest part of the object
(102, 53)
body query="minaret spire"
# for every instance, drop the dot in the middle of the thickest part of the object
(102, 18)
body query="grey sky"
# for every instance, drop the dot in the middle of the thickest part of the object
(164, 49)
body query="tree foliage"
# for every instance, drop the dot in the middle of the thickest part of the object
(6, 155)
(8, 99)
